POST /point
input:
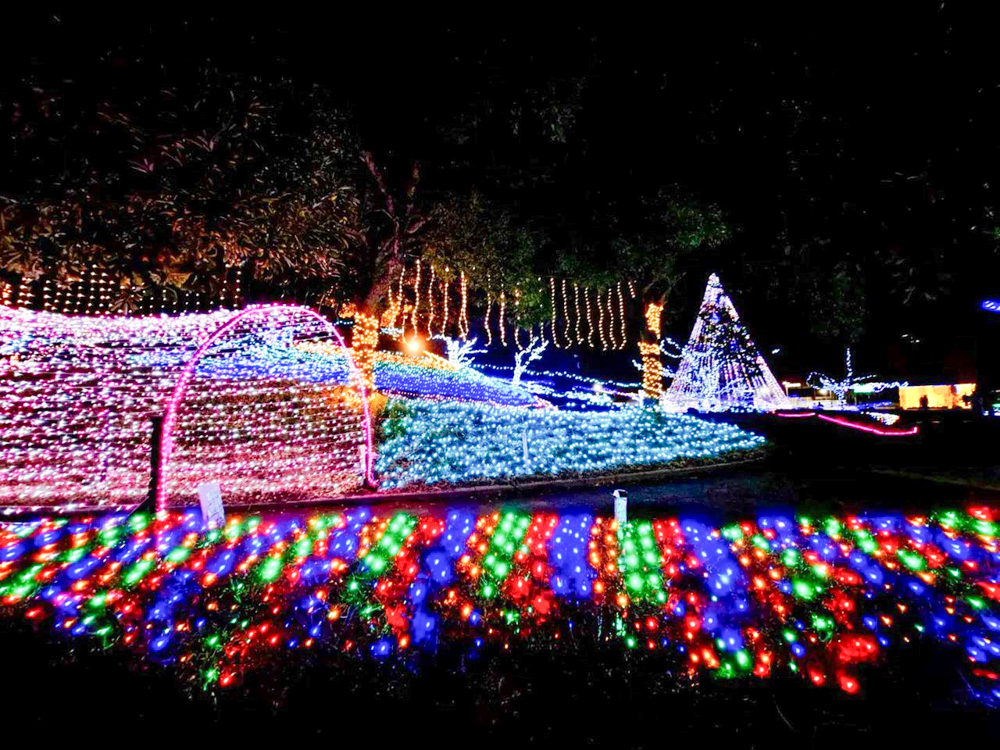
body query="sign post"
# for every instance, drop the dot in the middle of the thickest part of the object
(621, 509)
(210, 497)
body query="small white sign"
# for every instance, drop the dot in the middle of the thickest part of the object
(210, 496)
(621, 507)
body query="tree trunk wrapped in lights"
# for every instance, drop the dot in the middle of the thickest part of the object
(649, 348)
(364, 344)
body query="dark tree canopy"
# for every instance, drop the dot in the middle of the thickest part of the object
(851, 161)
(169, 177)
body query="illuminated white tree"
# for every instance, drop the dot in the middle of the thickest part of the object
(532, 352)
(720, 368)
(460, 353)
(840, 388)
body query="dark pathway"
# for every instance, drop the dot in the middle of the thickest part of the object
(723, 494)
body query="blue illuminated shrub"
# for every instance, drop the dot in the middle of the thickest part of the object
(434, 442)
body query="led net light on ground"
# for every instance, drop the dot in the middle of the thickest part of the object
(824, 599)
(444, 442)
(256, 412)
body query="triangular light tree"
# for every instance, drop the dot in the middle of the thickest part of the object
(720, 368)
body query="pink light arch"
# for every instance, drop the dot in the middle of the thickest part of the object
(180, 389)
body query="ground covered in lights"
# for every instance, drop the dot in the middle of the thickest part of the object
(522, 608)
(449, 443)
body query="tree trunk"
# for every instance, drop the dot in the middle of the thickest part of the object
(368, 322)
(364, 342)
(370, 305)
(649, 348)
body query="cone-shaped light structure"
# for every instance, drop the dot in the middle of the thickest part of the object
(720, 367)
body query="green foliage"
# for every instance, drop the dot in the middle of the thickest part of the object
(392, 422)
(695, 226)
(655, 237)
(540, 114)
(470, 233)
(838, 308)
(167, 183)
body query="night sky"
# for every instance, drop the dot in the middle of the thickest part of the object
(844, 139)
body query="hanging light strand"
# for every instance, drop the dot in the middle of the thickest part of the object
(444, 295)
(552, 295)
(566, 330)
(430, 299)
(517, 319)
(576, 305)
(501, 322)
(463, 318)
(416, 302)
(486, 319)
(590, 319)
(612, 313)
(602, 328)
(621, 312)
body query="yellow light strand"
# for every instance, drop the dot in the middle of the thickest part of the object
(502, 321)
(552, 294)
(486, 318)
(652, 376)
(653, 313)
(609, 321)
(600, 316)
(600, 320)
(430, 295)
(612, 333)
(576, 305)
(416, 301)
(590, 319)
(400, 302)
(621, 311)
(565, 301)
(608, 341)
(444, 314)
(463, 317)
(366, 330)
(517, 319)
(652, 380)
(389, 316)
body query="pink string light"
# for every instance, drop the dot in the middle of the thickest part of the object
(180, 388)
(883, 431)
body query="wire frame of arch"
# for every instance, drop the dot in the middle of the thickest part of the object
(248, 406)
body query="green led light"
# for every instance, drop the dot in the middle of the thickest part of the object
(803, 590)
(271, 569)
